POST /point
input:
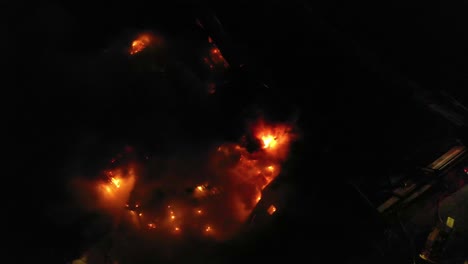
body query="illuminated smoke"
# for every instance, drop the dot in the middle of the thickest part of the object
(208, 195)
(110, 192)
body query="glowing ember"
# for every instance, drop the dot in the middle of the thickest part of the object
(271, 210)
(275, 139)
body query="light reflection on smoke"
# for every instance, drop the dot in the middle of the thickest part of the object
(208, 196)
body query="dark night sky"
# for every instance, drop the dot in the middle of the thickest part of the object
(344, 67)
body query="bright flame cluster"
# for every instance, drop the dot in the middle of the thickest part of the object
(116, 188)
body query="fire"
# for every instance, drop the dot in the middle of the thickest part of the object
(271, 210)
(275, 139)
(224, 199)
(254, 171)
(268, 141)
(116, 182)
(140, 43)
(215, 58)
(115, 191)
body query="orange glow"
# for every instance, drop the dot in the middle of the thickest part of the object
(116, 190)
(140, 43)
(215, 58)
(268, 141)
(259, 197)
(254, 171)
(271, 210)
(218, 202)
(116, 182)
(275, 139)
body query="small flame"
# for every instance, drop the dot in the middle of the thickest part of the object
(216, 58)
(268, 141)
(115, 191)
(116, 182)
(140, 43)
(259, 197)
(271, 210)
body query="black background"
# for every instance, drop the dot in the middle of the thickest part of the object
(347, 69)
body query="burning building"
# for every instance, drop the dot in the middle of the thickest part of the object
(223, 191)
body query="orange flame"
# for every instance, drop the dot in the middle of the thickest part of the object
(140, 43)
(116, 191)
(253, 172)
(116, 182)
(271, 210)
(275, 139)
(243, 176)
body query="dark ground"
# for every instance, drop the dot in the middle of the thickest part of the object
(344, 69)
